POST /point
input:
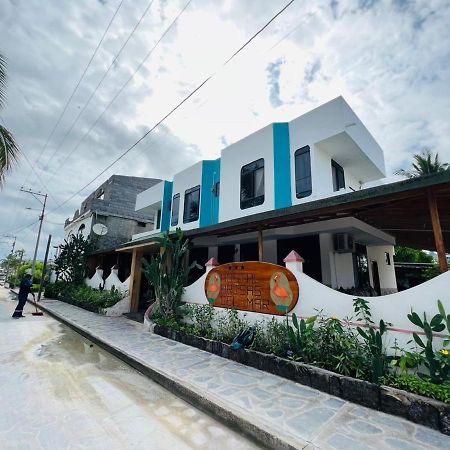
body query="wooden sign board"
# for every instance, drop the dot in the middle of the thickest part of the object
(252, 286)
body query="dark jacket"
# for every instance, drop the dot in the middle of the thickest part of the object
(25, 287)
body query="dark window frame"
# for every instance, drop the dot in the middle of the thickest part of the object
(192, 217)
(306, 150)
(248, 171)
(174, 223)
(158, 218)
(338, 176)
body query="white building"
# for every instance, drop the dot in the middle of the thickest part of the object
(322, 154)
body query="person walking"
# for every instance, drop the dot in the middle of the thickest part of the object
(24, 290)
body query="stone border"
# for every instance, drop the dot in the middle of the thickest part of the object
(416, 408)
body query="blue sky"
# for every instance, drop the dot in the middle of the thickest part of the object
(388, 59)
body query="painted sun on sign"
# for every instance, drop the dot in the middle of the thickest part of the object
(280, 291)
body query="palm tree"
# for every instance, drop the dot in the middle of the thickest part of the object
(425, 163)
(9, 152)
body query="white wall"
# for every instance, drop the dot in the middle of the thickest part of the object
(146, 200)
(73, 227)
(257, 145)
(392, 308)
(388, 280)
(182, 181)
(333, 131)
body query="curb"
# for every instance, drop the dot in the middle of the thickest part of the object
(230, 418)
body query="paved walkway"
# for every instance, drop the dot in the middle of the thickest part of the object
(300, 415)
(58, 391)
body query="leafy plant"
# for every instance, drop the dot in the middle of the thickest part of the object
(300, 338)
(416, 385)
(271, 337)
(229, 325)
(437, 362)
(167, 273)
(407, 360)
(70, 265)
(83, 296)
(373, 338)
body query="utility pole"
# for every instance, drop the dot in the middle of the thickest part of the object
(41, 219)
(41, 285)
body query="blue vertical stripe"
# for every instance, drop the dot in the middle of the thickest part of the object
(165, 209)
(282, 165)
(209, 202)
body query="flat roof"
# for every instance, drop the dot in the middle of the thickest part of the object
(399, 208)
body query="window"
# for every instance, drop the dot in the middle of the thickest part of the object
(141, 224)
(191, 204)
(101, 194)
(158, 219)
(303, 185)
(82, 227)
(175, 209)
(338, 176)
(217, 189)
(387, 258)
(252, 184)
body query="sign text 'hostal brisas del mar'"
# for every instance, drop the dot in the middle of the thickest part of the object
(252, 286)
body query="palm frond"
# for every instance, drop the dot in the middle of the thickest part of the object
(425, 163)
(2, 81)
(9, 152)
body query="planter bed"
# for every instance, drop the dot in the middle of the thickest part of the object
(422, 410)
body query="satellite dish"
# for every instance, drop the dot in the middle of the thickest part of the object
(100, 229)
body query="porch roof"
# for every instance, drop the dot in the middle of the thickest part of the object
(400, 209)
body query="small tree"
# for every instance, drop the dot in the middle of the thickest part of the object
(70, 265)
(167, 273)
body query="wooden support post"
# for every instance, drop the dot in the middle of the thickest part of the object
(437, 230)
(260, 245)
(135, 279)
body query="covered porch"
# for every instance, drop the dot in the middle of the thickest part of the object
(413, 213)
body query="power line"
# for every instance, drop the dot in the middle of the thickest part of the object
(124, 85)
(175, 107)
(100, 82)
(78, 83)
(16, 230)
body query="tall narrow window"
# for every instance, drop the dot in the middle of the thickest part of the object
(175, 209)
(252, 184)
(158, 219)
(191, 204)
(303, 185)
(338, 176)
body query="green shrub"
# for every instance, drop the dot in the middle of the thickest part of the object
(271, 337)
(416, 385)
(228, 326)
(436, 361)
(83, 296)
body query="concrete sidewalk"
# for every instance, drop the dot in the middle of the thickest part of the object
(277, 412)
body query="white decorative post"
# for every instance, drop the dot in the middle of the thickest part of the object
(294, 262)
(211, 264)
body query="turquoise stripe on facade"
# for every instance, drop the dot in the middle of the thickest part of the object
(209, 202)
(165, 209)
(282, 165)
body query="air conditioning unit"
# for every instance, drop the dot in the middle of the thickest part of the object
(344, 243)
